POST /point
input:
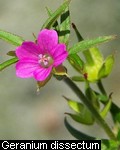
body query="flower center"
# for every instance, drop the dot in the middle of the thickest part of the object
(45, 60)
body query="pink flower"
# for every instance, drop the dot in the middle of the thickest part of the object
(37, 59)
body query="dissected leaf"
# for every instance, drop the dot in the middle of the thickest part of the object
(51, 20)
(11, 38)
(80, 38)
(64, 32)
(50, 12)
(64, 27)
(86, 44)
(8, 63)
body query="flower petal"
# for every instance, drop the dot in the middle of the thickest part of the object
(47, 40)
(60, 54)
(27, 49)
(42, 73)
(26, 67)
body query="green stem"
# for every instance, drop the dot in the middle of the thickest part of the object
(91, 108)
(114, 108)
(101, 87)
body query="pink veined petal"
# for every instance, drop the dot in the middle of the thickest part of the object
(27, 49)
(60, 60)
(60, 54)
(41, 74)
(47, 40)
(26, 67)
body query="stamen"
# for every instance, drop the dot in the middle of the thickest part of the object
(40, 55)
(45, 60)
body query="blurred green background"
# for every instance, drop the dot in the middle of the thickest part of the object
(26, 114)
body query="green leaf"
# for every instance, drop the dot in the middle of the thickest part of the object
(118, 117)
(82, 114)
(64, 28)
(110, 145)
(74, 59)
(91, 55)
(76, 62)
(77, 134)
(102, 97)
(115, 110)
(51, 20)
(89, 106)
(106, 67)
(76, 106)
(85, 118)
(118, 135)
(55, 25)
(86, 44)
(11, 38)
(8, 63)
(80, 38)
(64, 32)
(106, 109)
